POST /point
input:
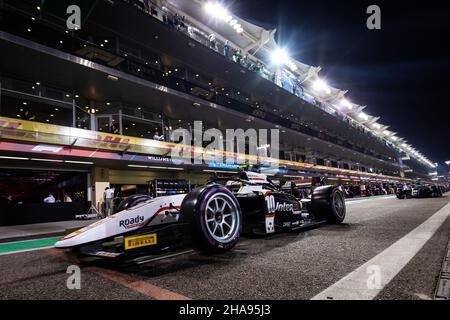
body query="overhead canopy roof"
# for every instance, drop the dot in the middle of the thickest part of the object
(255, 40)
(260, 44)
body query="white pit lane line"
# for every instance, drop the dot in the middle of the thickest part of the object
(348, 202)
(26, 250)
(359, 284)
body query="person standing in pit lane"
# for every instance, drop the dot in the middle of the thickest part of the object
(109, 201)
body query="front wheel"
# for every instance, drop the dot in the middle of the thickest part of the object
(216, 218)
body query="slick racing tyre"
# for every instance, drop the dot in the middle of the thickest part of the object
(328, 203)
(216, 218)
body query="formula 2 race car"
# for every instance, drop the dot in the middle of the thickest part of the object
(420, 191)
(210, 218)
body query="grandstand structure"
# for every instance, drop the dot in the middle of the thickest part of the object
(94, 97)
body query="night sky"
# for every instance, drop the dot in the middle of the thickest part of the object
(400, 72)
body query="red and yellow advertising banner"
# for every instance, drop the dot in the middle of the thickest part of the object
(43, 133)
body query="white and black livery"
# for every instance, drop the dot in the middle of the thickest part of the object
(210, 218)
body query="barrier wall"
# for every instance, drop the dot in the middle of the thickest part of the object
(17, 214)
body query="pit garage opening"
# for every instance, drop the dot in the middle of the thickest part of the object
(22, 194)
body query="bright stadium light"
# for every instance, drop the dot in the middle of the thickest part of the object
(280, 56)
(216, 10)
(394, 138)
(291, 64)
(447, 163)
(347, 104)
(376, 126)
(321, 86)
(363, 116)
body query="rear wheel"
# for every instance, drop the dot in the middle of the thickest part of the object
(329, 204)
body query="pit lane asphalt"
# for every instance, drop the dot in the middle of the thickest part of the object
(295, 265)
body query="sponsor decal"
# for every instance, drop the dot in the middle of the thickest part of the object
(140, 241)
(73, 234)
(270, 224)
(160, 159)
(132, 222)
(286, 207)
(10, 125)
(46, 148)
(230, 166)
(107, 254)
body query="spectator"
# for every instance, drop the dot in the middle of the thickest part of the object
(212, 42)
(9, 199)
(67, 198)
(190, 31)
(182, 23)
(114, 129)
(146, 6)
(26, 115)
(258, 67)
(109, 201)
(158, 137)
(295, 191)
(237, 56)
(244, 61)
(153, 11)
(177, 22)
(50, 198)
(226, 49)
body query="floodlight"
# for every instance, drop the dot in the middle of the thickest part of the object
(320, 85)
(363, 116)
(216, 10)
(376, 126)
(280, 56)
(347, 104)
(292, 65)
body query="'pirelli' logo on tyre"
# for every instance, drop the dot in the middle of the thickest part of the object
(140, 241)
